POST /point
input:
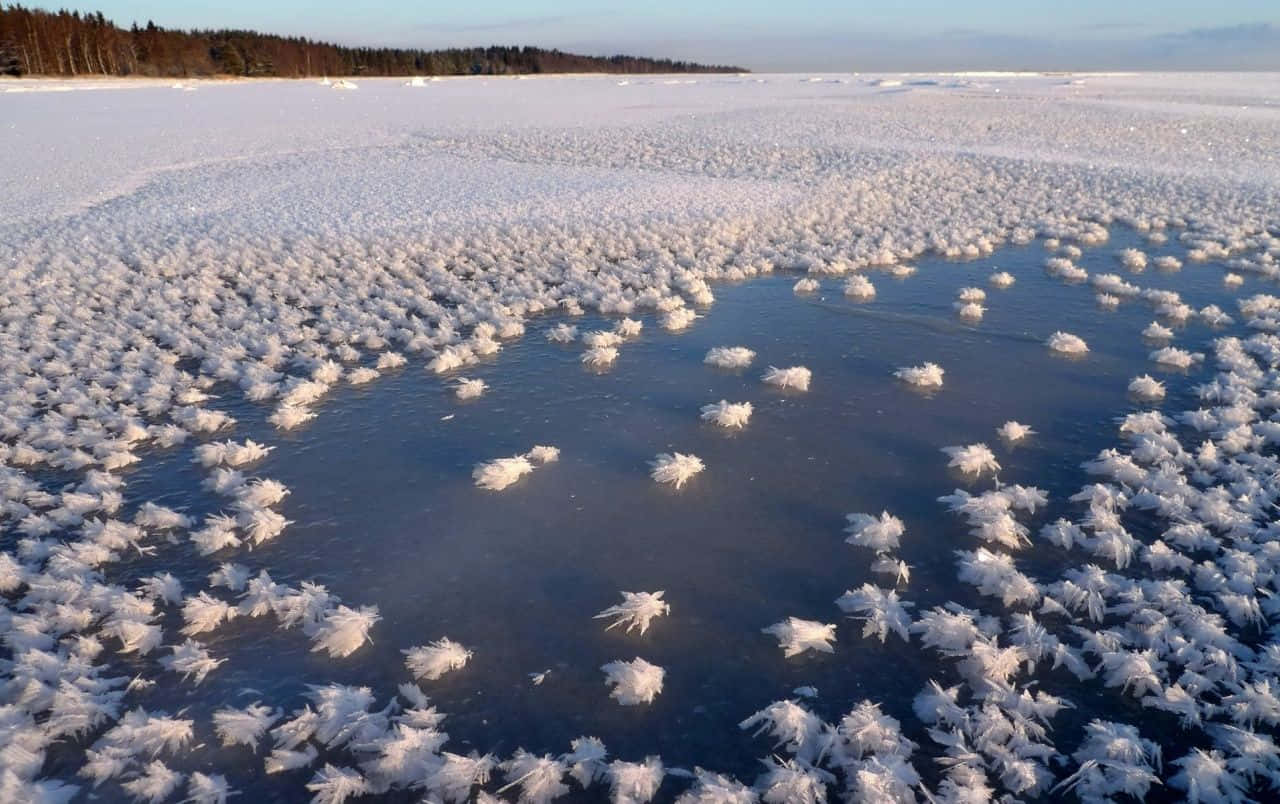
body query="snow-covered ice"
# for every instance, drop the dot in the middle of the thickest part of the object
(200, 313)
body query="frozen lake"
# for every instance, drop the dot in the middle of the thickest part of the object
(236, 264)
(385, 511)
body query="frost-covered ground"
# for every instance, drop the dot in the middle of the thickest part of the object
(194, 279)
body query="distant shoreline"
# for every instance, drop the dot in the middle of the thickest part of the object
(71, 44)
(251, 79)
(37, 84)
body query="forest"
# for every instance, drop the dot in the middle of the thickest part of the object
(71, 43)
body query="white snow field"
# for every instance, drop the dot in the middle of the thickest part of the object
(273, 241)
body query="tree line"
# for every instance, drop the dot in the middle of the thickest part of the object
(69, 43)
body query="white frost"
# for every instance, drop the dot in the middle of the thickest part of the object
(675, 468)
(727, 414)
(729, 357)
(1067, 344)
(636, 610)
(796, 377)
(795, 636)
(635, 682)
(925, 375)
(434, 660)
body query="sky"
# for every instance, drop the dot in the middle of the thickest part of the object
(783, 35)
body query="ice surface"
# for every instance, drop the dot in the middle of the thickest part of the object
(209, 300)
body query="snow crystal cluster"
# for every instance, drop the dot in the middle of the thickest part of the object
(796, 377)
(727, 414)
(730, 357)
(675, 468)
(500, 473)
(925, 375)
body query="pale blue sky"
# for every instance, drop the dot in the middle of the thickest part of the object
(784, 34)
